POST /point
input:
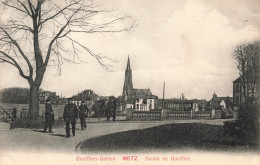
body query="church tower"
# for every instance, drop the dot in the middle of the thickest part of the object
(128, 85)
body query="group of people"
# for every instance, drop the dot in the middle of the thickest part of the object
(72, 112)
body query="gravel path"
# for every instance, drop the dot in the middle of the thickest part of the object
(36, 141)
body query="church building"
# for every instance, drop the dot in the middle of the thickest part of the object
(136, 98)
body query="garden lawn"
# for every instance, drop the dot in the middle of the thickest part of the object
(183, 136)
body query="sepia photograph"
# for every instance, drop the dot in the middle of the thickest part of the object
(129, 81)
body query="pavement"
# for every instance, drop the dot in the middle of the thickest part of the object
(34, 140)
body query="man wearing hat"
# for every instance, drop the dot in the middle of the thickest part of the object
(49, 116)
(69, 116)
(83, 111)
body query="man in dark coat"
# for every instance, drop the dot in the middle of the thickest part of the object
(107, 107)
(69, 116)
(49, 116)
(83, 111)
(114, 109)
(110, 108)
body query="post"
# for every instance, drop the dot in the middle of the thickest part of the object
(192, 114)
(164, 114)
(129, 113)
(213, 113)
(163, 94)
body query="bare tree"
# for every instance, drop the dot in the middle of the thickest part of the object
(39, 33)
(247, 61)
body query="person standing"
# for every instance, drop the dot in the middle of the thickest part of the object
(83, 111)
(114, 109)
(49, 116)
(69, 116)
(108, 109)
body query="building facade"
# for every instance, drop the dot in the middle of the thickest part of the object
(219, 103)
(43, 95)
(87, 95)
(251, 89)
(177, 104)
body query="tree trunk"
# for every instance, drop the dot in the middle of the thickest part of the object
(34, 101)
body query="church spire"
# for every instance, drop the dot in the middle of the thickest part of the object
(128, 85)
(128, 64)
(214, 95)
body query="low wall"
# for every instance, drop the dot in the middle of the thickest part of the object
(203, 114)
(146, 115)
(178, 114)
(171, 115)
(218, 114)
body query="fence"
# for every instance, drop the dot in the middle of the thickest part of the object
(203, 114)
(24, 113)
(171, 115)
(178, 114)
(146, 115)
(6, 115)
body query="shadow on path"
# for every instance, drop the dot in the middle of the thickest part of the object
(60, 135)
(52, 134)
(39, 131)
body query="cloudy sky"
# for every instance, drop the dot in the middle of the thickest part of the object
(186, 43)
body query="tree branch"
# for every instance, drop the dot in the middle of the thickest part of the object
(55, 15)
(56, 37)
(20, 50)
(11, 6)
(15, 64)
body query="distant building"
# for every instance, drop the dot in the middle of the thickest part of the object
(201, 104)
(238, 97)
(138, 99)
(43, 95)
(128, 90)
(87, 95)
(177, 104)
(145, 103)
(220, 102)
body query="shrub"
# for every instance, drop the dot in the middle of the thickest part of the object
(248, 124)
(37, 123)
(28, 123)
(246, 127)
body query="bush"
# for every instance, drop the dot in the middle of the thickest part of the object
(34, 123)
(246, 127)
(28, 123)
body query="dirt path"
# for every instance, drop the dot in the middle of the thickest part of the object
(36, 141)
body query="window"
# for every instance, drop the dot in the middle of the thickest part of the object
(137, 106)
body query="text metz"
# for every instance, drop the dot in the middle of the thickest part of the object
(130, 158)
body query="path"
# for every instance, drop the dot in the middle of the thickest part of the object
(34, 140)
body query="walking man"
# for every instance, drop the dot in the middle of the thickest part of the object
(69, 116)
(49, 116)
(83, 111)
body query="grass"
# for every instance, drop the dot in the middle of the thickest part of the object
(187, 136)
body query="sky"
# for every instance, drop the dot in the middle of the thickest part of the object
(187, 44)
